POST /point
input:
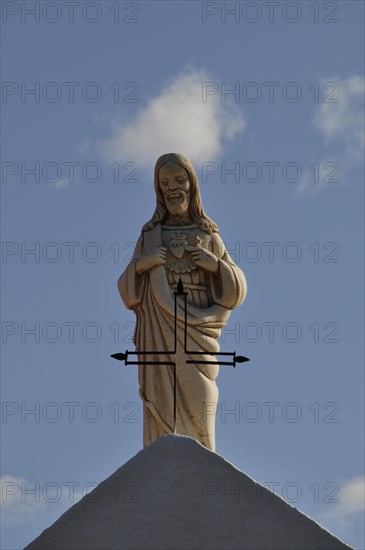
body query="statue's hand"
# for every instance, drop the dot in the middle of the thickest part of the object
(151, 259)
(203, 258)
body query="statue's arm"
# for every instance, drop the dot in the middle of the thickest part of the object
(228, 283)
(130, 283)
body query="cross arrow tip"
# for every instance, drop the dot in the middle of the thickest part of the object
(119, 356)
(241, 359)
(180, 287)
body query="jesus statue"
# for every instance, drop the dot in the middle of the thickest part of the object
(180, 242)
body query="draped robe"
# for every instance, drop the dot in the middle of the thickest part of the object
(211, 297)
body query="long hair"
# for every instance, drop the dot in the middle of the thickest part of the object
(196, 210)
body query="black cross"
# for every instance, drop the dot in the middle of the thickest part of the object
(124, 356)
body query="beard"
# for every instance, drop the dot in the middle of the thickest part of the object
(177, 206)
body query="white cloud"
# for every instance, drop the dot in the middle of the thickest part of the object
(59, 184)
(18, 507)
(178, 121)
(327, 174)
(342, 127)
(351, 501)
(23, 501)
(343, 121)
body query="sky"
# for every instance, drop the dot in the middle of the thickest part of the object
(266, 100)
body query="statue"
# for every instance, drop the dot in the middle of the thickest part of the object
(180, 241)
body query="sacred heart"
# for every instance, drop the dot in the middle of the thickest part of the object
(177, 245)
(177, 259)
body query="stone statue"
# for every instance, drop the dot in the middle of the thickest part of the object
(180, 241)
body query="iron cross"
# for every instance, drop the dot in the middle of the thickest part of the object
(125, 356)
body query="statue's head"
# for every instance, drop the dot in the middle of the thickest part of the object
(177, 192)
(174, 184)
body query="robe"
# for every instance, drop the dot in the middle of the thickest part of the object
(210, 299)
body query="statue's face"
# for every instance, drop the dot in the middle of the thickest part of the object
(175, 186)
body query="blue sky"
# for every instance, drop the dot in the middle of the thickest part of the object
(143, 79)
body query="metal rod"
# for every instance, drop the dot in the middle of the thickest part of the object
(212, 353)
(149, 363)
(151, 352)
(185, 324)
(179, 292)
(175, 398)
(175, 325)
(174, 352)
(230, 363)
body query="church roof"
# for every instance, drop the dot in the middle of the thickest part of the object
(176, 494)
